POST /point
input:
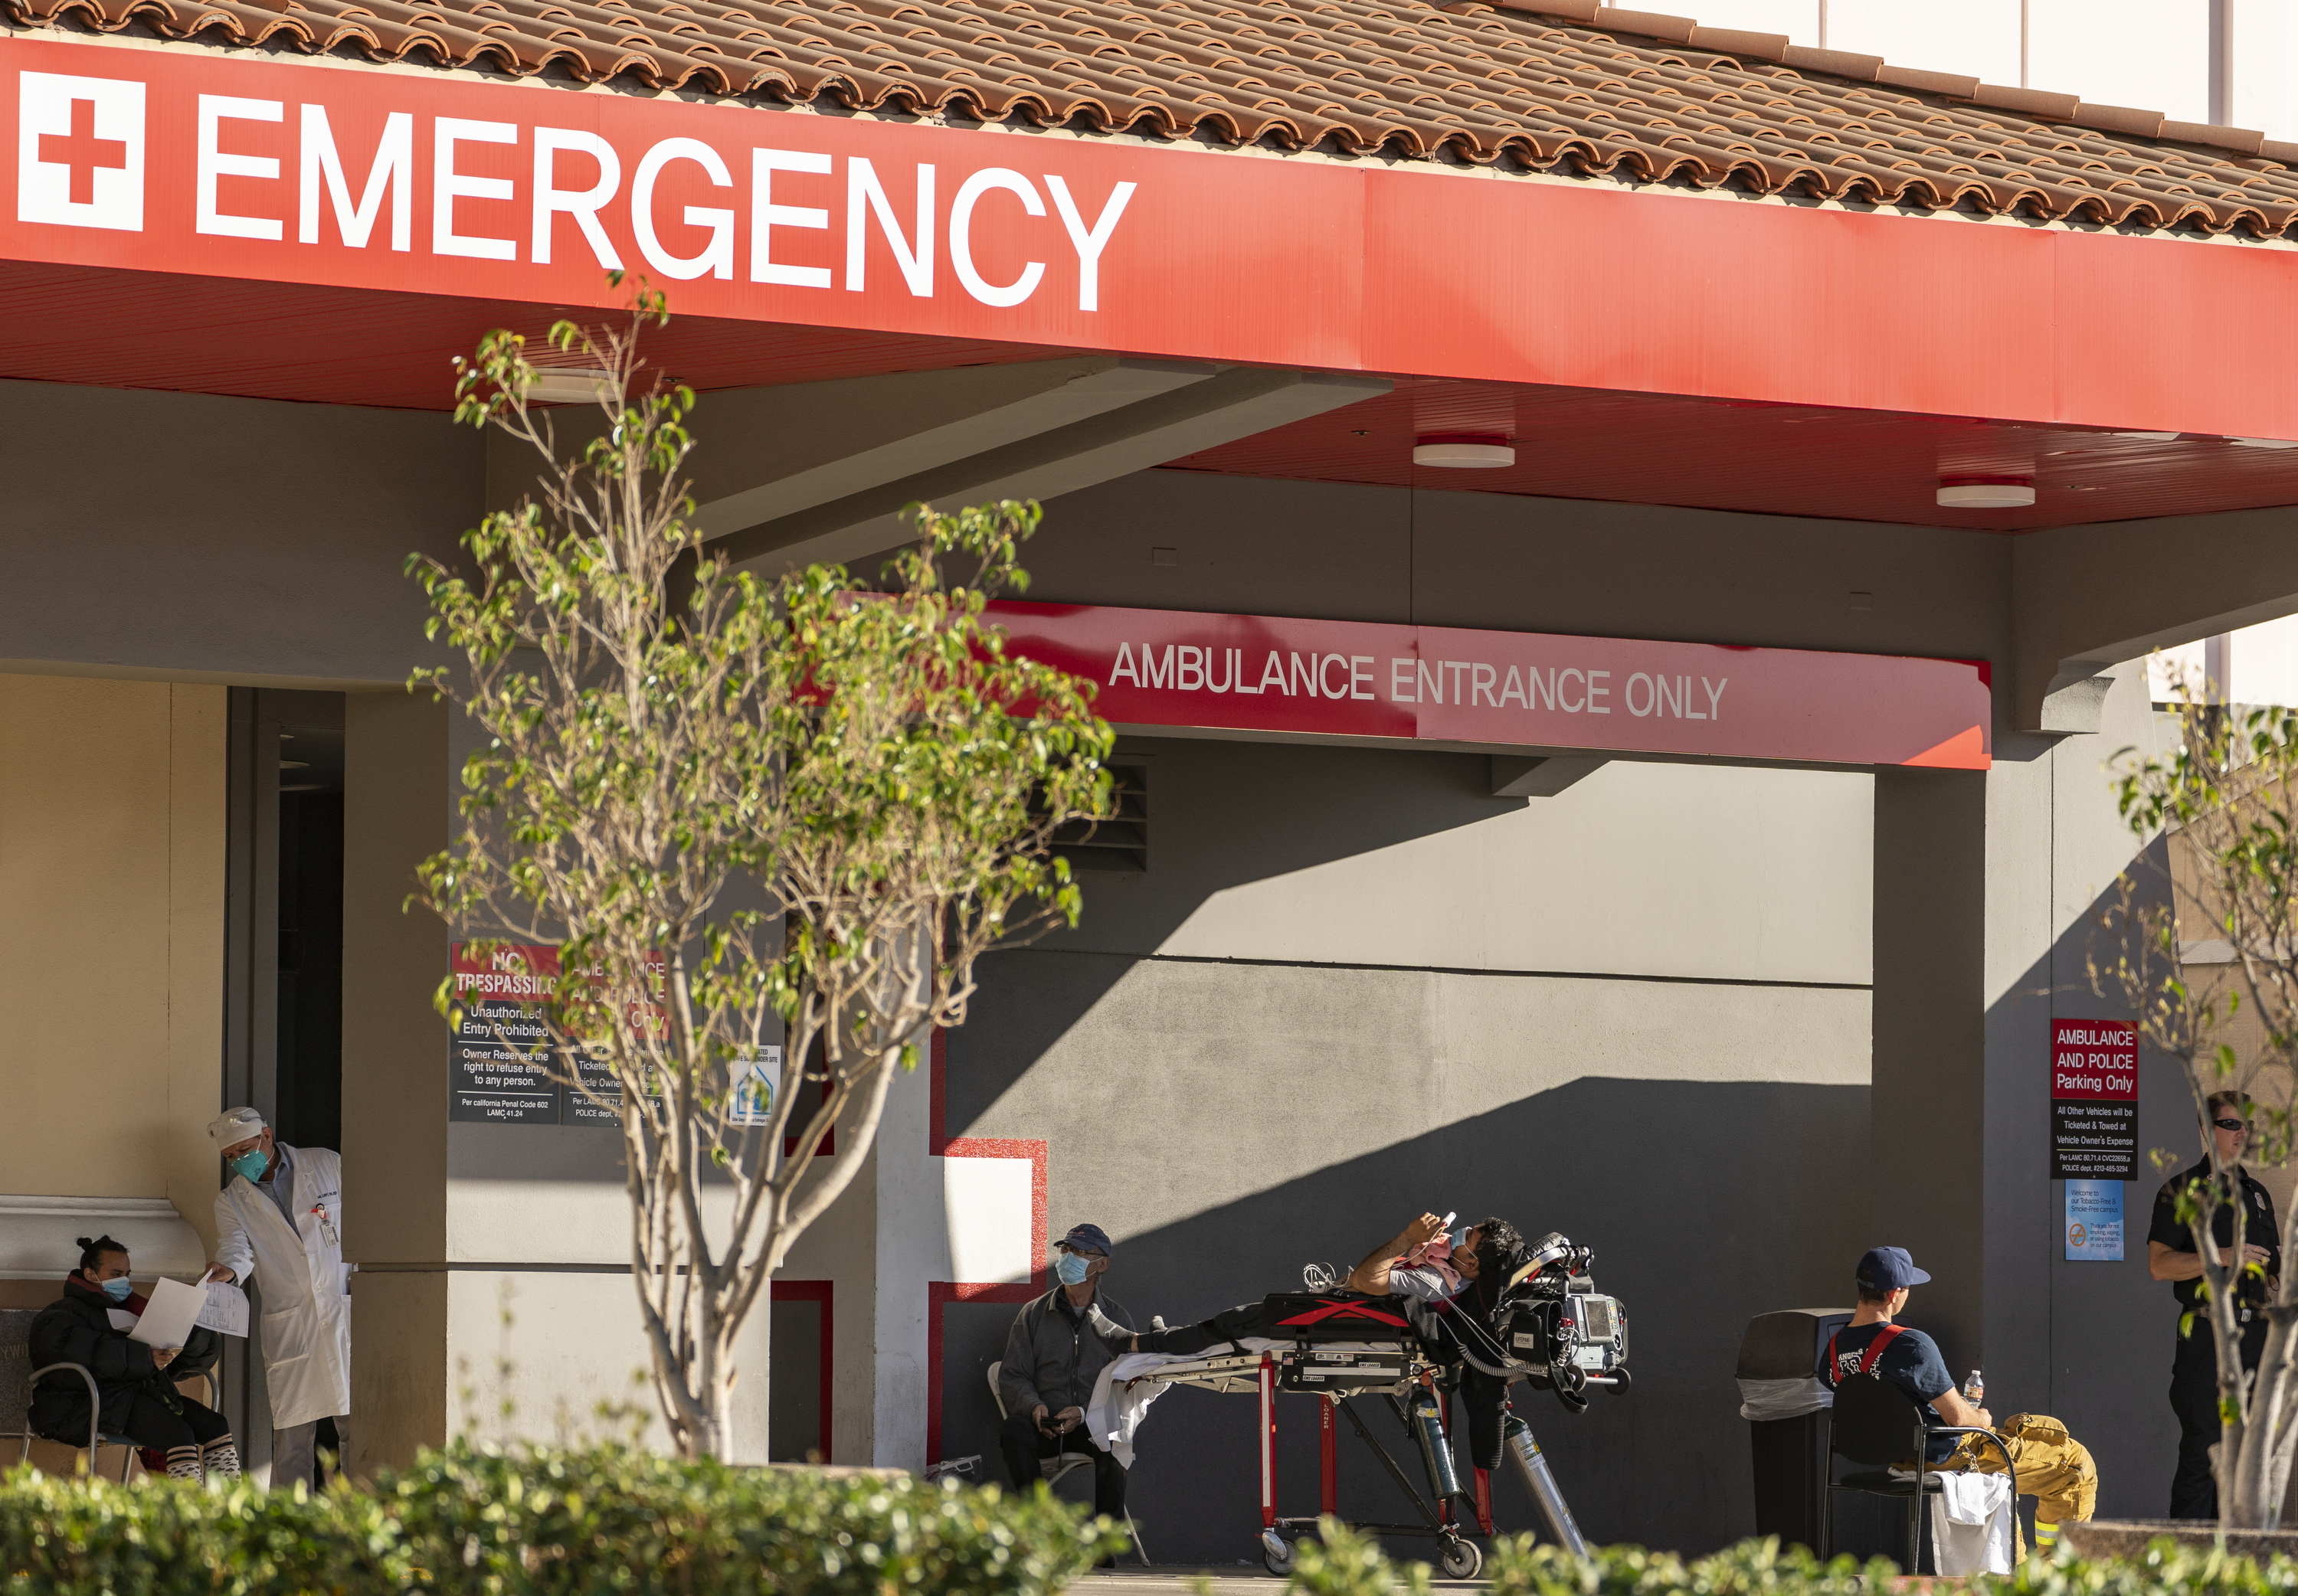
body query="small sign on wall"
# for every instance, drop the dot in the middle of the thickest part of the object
(2094, 1100)
(2093, 1221)
(503, 1067)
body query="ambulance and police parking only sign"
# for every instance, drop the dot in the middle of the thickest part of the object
(2094, 1100)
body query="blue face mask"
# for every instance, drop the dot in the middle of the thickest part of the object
(118, 1290)
(252, 1164)
(1071, 1268)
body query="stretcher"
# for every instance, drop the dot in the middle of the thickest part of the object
(1551, 1331)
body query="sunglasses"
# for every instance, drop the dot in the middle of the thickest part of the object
(2231, 1124)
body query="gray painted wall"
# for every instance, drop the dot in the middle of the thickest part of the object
(1693, 1102)
(244, 541)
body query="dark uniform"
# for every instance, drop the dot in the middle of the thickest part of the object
(2194, 1365)
(1055, 1355)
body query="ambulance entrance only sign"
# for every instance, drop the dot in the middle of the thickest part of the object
(2094, 1100)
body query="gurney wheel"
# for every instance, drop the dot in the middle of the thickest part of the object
(1276, 1553)
(1460, 1560)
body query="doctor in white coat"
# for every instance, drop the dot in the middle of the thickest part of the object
(279, 1220)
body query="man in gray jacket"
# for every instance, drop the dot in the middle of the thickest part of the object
(1056, 1349)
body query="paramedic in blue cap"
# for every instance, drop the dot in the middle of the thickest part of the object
(1057, 1348)
(2053, 1467)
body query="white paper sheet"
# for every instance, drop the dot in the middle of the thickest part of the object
(225, 1309)
(170, 1314)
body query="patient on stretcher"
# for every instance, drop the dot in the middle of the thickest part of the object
(1421, 1261)
(1462, 1277)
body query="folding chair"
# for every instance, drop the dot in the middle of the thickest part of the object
(1062, 1464)
(96, 1437)
(1875, 1422)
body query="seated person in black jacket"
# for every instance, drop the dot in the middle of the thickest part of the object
(1055, 1355)
(135, 1396)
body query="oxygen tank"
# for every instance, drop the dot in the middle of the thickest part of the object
(1435, 1449)
(1523, 1452)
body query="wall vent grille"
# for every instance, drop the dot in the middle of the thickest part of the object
(1119, 843)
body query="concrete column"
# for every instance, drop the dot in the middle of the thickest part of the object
(1988, 892)
(1928, 1129)
(397, 810)
(910, 1247)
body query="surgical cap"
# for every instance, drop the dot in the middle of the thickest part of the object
(235, 1125)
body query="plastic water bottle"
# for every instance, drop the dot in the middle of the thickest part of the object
(1974, 1388)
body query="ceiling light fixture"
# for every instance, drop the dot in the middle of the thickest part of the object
(2264, 443)
(1985, 492)
(2147, 437)
(1470, 451)
(568, 385)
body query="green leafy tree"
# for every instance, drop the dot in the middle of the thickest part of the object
(742, 807)
(2203, 952)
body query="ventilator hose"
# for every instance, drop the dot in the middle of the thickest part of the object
(1510, 1372)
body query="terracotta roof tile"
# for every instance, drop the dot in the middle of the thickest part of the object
(1564, 86)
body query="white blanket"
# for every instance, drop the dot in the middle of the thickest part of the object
(1121, 1397)
(1971, 1524)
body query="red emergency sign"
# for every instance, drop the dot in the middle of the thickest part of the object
(188, 160)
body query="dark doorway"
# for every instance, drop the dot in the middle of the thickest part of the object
(312, 967)
(310, 1083)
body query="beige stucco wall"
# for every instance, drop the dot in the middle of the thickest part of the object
(111, 924)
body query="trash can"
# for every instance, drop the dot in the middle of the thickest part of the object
(1785, 1408)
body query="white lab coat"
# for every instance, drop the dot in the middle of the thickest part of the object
(307, 1309)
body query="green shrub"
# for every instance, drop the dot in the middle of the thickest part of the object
(533, 1522)
(1346, 1562)
(2165, 1568)
(1352, 1565)
(1517, 1566)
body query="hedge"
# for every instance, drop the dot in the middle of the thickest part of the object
(1348, 1564)
(481, 1521)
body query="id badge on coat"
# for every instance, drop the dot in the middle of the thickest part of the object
(327, 1225)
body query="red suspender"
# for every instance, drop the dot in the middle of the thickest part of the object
(1867, 1360)
(1875, 1348)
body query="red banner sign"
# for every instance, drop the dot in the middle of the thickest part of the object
(1355, 679)
(251, 168)
(243, 165)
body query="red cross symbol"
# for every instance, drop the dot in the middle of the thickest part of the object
(83, 151)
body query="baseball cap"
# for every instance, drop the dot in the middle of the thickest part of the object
(1888, 1268)
(1090, 1238)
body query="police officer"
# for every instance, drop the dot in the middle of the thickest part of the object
(2171, 1255)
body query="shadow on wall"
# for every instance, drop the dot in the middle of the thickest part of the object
(1211, 802)
(2090, 1342)
(1707, 1203)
